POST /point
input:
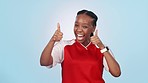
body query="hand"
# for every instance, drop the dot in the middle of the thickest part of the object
(58, 35)
(96, 40)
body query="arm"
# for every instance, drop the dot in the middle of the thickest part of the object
(113, 65)
(46, 59)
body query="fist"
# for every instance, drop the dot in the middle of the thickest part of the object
(58, 35)
(96, 40)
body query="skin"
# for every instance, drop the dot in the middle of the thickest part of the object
(83, 26)
(82, 29)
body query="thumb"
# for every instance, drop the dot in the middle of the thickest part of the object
(58, 27)
(96, 32)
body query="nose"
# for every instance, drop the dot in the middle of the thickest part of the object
(79, 29)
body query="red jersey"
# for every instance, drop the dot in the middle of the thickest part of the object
(79, 64)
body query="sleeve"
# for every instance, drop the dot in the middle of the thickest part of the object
(105, 62)
(57, 54)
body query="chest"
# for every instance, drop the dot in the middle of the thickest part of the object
(79, 55)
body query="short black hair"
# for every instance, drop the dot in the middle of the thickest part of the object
(91, 14)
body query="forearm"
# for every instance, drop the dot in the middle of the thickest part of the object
(46, 58)
(113, 65)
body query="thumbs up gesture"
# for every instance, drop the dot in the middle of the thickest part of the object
(58, 35)
(96, 40)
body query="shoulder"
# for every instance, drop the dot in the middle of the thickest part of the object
(65, 42)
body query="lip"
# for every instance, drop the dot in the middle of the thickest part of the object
(80, 37)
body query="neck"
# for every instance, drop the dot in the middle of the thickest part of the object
(86, 42)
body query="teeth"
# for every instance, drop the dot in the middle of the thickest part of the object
(79, 35)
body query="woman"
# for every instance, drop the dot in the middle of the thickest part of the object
(82, 59)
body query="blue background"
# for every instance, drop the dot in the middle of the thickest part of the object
(27, 25)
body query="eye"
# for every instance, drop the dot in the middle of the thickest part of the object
(85, 27)
(76, 25)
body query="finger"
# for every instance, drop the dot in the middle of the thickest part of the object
(60, 33)
(58, 27)
(54, 37)
(96, 32)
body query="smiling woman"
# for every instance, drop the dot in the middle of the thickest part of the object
(85, 25)
(82, 59)
(27, 25)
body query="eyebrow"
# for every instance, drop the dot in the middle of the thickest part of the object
(83, 23)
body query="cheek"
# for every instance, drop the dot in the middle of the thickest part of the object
(88, 31)
(74, 30)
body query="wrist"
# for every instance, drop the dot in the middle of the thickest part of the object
(105, 49)
(52, 40)
(101, 46)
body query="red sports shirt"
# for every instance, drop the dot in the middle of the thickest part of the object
(79, 64)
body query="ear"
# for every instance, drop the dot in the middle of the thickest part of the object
(94, 28)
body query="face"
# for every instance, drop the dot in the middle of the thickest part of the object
(83, 28)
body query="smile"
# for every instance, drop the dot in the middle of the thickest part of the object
(80, 37)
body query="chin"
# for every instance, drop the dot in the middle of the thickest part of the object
(80, 41)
